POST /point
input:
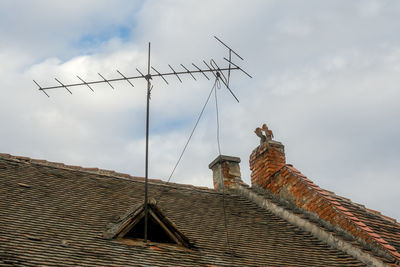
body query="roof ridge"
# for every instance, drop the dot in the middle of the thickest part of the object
(347, 199)
(95, 170)
(328, 197)
(375, 212)
(333, 194)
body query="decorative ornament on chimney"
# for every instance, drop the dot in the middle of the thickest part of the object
(268, 134)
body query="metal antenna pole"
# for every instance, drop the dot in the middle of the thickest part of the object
(148, 77)
(213, 69)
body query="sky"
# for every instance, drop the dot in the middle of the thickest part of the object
(326, 80)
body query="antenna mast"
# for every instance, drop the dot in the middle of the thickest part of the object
(148, 77)
(211, 68)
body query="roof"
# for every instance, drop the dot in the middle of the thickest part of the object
(53, 214)
(367, 226)
(372, 234)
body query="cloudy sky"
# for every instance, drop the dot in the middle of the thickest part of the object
(326, 80)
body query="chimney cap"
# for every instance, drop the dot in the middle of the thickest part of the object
(223, 158)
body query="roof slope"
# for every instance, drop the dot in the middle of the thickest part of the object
(377, 234)
(56, 215)
(387, 228)
(369, 227)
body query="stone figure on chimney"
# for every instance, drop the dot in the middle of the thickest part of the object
(264, 133)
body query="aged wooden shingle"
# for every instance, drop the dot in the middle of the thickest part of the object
(72, 210)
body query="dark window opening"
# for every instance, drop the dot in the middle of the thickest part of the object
(155, 232)
(159, 228)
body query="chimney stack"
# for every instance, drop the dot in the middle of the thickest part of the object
(266, 159)
(226, 172)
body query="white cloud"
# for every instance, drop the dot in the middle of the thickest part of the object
(325, 80)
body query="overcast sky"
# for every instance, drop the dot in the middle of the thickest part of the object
(326, 80)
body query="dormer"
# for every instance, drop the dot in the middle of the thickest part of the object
(160, 229)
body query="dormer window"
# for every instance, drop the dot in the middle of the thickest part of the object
(159, 229)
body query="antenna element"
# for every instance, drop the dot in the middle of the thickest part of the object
(214, 69)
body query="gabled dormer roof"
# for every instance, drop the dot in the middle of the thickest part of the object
(160, 228)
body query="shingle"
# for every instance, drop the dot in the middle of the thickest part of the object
(71, 204)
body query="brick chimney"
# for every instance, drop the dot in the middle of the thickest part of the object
(226, 172)
(266, 159)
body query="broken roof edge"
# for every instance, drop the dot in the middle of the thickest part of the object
(305, 221)
(361, 229)
(103, 172)
(378, 245)
(333, 194)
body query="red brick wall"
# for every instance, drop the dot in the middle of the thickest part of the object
(266, 160)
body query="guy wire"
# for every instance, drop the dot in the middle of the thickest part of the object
(190, 136)
(214, 88)
(194, 129)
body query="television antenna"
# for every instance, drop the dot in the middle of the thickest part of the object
(212, 68)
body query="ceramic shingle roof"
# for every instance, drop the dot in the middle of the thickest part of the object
(387, 228)
(52, 214)
(384, 230)
(367, 226)
(376, 234)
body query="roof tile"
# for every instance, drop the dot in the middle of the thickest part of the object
(77, 204)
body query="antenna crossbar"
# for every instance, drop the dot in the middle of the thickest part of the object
(230, 62)
(230, 49)
(140, 73)
(159, 74)
(218, 69)
(107, 81)
(84, 83)
(177, 76)
(124, 78)
(195, 71)
(188, 71)
(224, 80)
(40, 88)
(64, 86)
(212, 68)
(201, 71)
